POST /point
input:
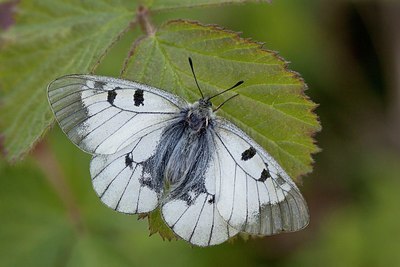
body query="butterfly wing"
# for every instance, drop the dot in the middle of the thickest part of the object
(123, 180)
(193, 215)
(254, 194)
(121, 123)
(103, 115)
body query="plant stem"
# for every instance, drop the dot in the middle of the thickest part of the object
(143, 18)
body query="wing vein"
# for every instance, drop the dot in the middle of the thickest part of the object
(82, 121)
(94, 129)
(116, 159)
(212, 224)
(115, 132)
(234, 192)
(108, 186)
(65, 86)
(270, 210)
(279, 204)
(126, 186)
(247, 201)
(259, 208)
(198, 218)
(230, 154)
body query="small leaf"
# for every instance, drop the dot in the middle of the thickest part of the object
(159, 5)
(271, 106)
(50, 39)
(156, 224)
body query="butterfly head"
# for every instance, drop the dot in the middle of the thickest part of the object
(204, 103)
(199, 115)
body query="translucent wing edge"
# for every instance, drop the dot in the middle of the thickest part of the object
(174, 99)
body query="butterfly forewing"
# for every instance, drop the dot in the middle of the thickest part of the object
(103, 115)
(254, 194)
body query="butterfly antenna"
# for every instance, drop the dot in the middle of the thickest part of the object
(220, 105)
(195, 79)
(236, 85)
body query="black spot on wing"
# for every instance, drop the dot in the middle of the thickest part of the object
(211, 200)
(138, 97)
(249, 153)
(128, 160)
(111, 96)
(264, 175)
(99, 84)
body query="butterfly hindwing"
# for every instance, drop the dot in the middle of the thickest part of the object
(123, 180)
(194, 216)
(103, 115)
(254, 194)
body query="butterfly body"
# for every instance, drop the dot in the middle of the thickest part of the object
(152, 149)
(183, 152)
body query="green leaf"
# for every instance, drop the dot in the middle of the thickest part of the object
(50, 39)
(156, 224)
(272, 107)
(159, 5)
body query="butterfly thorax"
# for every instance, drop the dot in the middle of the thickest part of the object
(199, 115)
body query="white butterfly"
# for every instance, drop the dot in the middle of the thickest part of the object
(151, 148)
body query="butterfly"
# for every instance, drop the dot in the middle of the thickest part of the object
(153, 149)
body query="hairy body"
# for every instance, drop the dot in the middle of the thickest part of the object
(184, 151)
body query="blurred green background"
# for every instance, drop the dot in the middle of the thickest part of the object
(348, 52)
